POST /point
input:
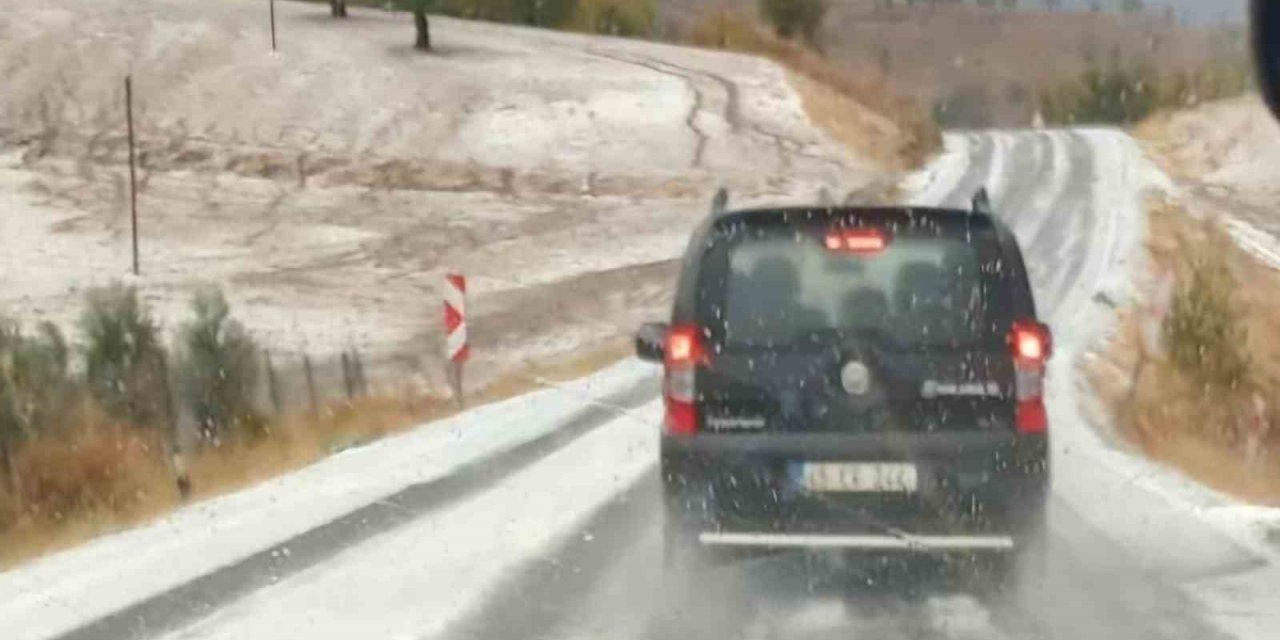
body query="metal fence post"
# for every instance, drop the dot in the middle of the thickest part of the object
(357, 369)
(273, 384)
(348, 380)
(311, 384)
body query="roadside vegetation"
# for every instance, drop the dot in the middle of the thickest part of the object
(1135, 60)
(629, 18)
(1128, 93)
(1199, 391)
(101, 434)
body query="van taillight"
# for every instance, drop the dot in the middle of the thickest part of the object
(1031, 345)
(684, 354)
(863, 242)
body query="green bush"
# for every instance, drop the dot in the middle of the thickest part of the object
(218, 365)
(540, 13)
(630, 18)
(1110, 95)
(1119, 94)
(1204, 332)
(124, 358)
(633, 18)
(35, 386)
(795, 18)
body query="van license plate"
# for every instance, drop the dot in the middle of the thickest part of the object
(860, 477)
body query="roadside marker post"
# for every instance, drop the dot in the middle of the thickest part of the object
(456, 347)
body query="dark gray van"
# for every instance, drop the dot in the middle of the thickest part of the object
(858, 379)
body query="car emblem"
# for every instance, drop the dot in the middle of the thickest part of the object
(855, 378)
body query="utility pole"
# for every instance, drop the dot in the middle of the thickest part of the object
(133, 176)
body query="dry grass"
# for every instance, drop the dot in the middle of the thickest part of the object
(98, 477)
(859, 109)
(1173, 416)
(1193, 143)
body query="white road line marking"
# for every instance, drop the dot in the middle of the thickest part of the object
(1041, 207)
(997, 180)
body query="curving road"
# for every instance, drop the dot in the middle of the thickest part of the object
(560, 537)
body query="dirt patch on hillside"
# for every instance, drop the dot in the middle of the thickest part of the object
(851, 123)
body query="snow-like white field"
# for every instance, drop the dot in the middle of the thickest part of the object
(329, 185)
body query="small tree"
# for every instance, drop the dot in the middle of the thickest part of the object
(34, 388)
(792, 18)
(421, 25)
(123, 355)
(338, 8)
(218, 364)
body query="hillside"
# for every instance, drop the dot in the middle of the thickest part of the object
(329, 186)
(988, 65)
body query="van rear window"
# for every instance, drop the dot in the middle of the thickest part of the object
(781, 286)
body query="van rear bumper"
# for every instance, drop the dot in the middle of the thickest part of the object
(818, 446)
(859, 542)
(971, 483)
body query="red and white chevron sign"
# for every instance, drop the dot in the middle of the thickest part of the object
(455, 318)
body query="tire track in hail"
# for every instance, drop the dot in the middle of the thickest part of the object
(981, 148)
(699, 99)
(1012, 206)
(1041, 206)
(540, 599)
(785, 147)
(1070, 218)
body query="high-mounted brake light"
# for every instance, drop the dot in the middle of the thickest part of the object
(1031, 345)
(684, 354)
(860, 241)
